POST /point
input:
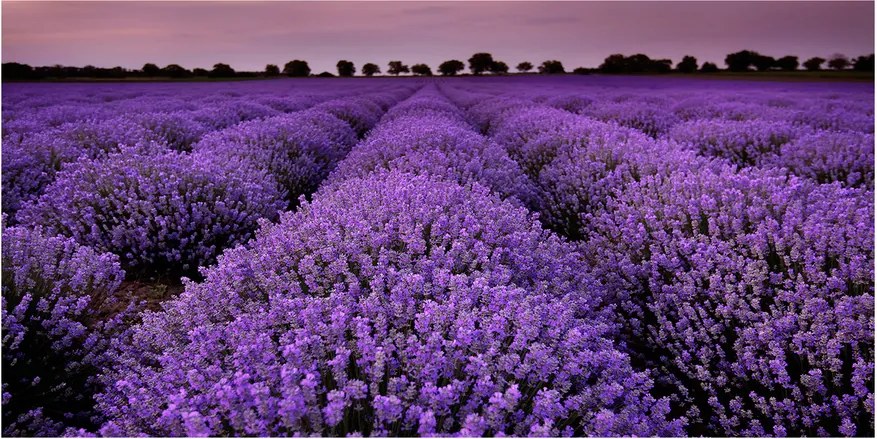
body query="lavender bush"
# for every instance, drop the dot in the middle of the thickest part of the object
(52, 338)
(755, 292)
(826, 157)
(163, 214)
(298, 150)
(744, 143)
(394, 304)
(437, 146)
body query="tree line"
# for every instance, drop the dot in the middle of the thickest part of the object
(480, 63)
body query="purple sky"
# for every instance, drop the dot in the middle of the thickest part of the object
(249, 35)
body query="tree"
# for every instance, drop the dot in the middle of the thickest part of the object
(524, 67)
(864, 63)
(763, 63)
(118, 72)
(14, 70)
(325, 75)
(150, 69)
(200, 72)
(687, 65)
(370, 69)
(551, 67)
(451, 67)
(345, 68)
(788, 63)
(297, 68)
(396, 67)
(480, 63)
(499, 68)
(638, 63)
(709, 67)
(838, 62)
(741, 61)
(176, 71)
(814, 64)
(221, 70)
(272, 70)
(421, 69)
(581, 71)
(615, 63)
(660, 66)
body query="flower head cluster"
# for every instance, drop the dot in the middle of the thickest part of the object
(52, 341)
(361, 113)
(298, 150)
(32, 163)
(440, 147)
(750, 292)
(393, 305)
(225, 114)
(743, 143)
(177, 130)
(163, 214)
(826, 157)
(756, 293)
(651, 119)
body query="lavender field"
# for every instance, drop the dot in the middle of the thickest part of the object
(530, 256)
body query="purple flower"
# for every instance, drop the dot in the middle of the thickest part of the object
(54, 295)
(392, 304)
(162, 214)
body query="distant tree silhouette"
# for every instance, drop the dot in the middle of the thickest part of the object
(499, 67)
(89, 71)
(451, 67)
(421, 70)
(814, 64)
(638, 63)
(581, 71)
(660, 66)
(396, 67)
(200, 72)
(18, 71)
(615, 63)
(709, 67)
(788, 63)
(221, 70)
(345, 68)
(763, 63)
(687, 65)
(551, 67)
(524, 67)
(272, 70)
(838, 62)
(741, 61)
(325, 75)
(480, 63)
(297, 68)
(118, 72)
(864, 63)
(369, 69)
(177, 71)
(150, 69)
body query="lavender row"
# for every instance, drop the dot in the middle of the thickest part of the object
(751, 291)
(824, 136)
(160, 213)
(397, 302)
(166, 213)
(33, 157)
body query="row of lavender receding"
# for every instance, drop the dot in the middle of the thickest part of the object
(705, 266)
(749, 291)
